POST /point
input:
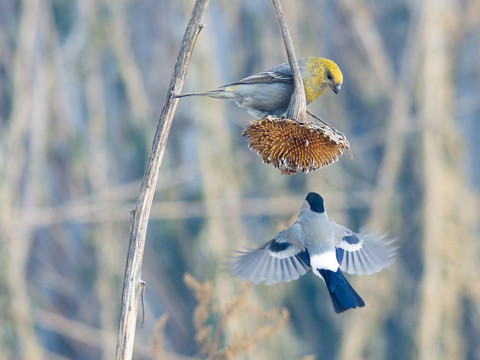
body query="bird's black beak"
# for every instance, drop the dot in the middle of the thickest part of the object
(336, 88)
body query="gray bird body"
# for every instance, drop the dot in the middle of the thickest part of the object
(255, 93)
(317, 244)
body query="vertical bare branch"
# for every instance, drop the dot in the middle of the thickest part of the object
(298, 104)
(140, 215)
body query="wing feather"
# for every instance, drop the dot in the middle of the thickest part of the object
(364, 254)
(282, 259)
(279, 74)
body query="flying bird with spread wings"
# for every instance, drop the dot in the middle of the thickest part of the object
(314, 243)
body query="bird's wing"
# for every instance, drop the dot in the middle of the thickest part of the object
(363, 254)
(282, 259)
(279, 74)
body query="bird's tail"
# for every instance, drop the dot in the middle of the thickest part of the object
(220, 93)
(341, 292)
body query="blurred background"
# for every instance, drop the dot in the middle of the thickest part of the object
(82, 84)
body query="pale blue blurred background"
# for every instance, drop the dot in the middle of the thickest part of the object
(82, 84)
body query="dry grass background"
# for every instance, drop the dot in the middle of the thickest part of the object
(81, 85)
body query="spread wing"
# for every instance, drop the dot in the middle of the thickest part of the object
(283, 259)
(279, 74)
(363, 254)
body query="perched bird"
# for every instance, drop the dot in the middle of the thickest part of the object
(317, 244)
(269, 92)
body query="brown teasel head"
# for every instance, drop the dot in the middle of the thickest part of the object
(292, 146)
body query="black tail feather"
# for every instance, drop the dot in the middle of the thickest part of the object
(343, 296)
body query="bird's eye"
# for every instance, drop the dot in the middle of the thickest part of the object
(329, 76)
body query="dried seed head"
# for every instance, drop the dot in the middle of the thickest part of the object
(292, 146)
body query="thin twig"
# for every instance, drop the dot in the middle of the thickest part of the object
(143, 285)
(298, 104)
(131, 285)
(317, 118)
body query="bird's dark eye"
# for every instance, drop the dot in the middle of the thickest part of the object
(329, 76)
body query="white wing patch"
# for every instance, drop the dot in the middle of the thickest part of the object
(368, 255)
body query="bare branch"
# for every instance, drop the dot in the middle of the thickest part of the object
(141, 213)
(298, 104)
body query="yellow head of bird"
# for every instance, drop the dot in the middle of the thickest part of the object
(333, 75)
(320, 74)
